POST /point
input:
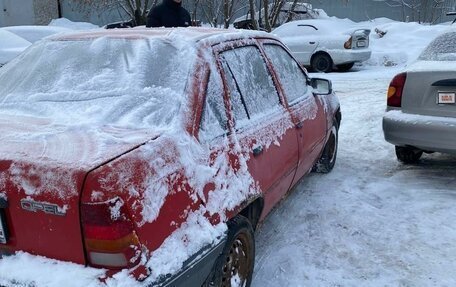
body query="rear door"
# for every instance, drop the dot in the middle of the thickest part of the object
(303, 41)
(262, 128)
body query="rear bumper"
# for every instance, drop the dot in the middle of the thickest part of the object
(349, 56)
(427, 133)
(194, 273)
(196, 270)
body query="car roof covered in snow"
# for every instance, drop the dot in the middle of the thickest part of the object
(190, 34)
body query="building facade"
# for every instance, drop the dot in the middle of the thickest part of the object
(27, 12)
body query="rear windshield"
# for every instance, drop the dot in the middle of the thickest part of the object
(443, 48)
(106, 80)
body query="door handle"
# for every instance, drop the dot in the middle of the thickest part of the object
(257, 150)
(311, 43)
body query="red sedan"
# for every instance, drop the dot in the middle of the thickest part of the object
(156, 151)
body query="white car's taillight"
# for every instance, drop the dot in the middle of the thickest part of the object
(395, 90)
(348, 43)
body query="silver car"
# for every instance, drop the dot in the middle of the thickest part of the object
(421, 112)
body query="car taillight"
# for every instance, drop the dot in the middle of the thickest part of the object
(109, 235)
(395, 90)
(348, 43)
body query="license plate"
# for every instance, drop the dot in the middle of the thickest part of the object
(446, 98)
(361, 44)
(3, 236)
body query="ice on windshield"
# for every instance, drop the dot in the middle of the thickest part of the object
(443, 48)
(127, 82)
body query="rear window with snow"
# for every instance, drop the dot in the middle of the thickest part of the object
(443, 48)
(138, 82)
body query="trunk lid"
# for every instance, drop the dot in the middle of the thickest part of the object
(430, 91)
(360, 39)
(42, 173)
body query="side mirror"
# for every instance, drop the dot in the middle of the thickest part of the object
(321, 86)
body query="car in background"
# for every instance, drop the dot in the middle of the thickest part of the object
(11, 45)
(33, 33)
(421, 105)
(287, 13)
(116, 159)
(324, 44)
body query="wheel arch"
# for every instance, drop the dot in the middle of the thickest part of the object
(316, 61)
(338, 117)
(320, 52)
(253, 211)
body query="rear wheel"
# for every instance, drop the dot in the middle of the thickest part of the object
(408, 154)
(345, 67)
(328, 158)
(235, 265)
(322, 63)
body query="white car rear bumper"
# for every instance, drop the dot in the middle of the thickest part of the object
(429, 133)
(349, 56)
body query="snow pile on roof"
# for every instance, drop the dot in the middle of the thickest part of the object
(11, 45)
(65, 23)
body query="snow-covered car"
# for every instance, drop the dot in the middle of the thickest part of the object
(421, 106)
(33, 33)
(323, 44)
(155, 152)
(11, 45)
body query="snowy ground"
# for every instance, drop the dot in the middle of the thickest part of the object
(372, 221)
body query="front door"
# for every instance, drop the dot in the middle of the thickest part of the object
(307, 110)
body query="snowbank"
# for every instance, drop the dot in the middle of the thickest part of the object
(65, 23)
(402, 43)
(34, 33)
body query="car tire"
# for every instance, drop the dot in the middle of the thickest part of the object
(327, 159)
(345, 67)
(238, 257)
(408, 155)
(321, 63)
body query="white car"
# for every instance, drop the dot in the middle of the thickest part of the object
(324, 44)
(421, 105)
(11, 45)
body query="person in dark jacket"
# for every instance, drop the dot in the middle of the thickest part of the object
(169, 13)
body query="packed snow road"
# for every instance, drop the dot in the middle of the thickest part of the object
(372, 221)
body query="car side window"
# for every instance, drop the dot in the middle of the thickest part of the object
(213, 120)
(253, 79)
(292, 78)
(237, 104)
